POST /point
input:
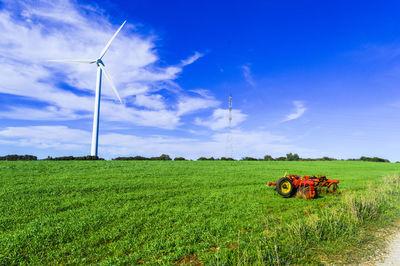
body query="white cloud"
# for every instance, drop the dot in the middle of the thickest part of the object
(248, 76)
(150, 101)
(202, 92)
(166, 119)
(299, 111)
(245, 143)
(34, 32)
(44, 137)
(220, 119)
(47, 113)
(191, 59)
(190, 104)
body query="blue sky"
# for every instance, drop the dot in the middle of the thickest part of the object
(315, 78)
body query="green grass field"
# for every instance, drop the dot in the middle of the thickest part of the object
(166, 212)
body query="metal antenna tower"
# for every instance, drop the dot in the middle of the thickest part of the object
(229, 144)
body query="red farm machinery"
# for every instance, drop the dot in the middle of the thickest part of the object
(306, 187)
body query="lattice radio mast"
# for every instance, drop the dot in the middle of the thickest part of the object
(229, 144)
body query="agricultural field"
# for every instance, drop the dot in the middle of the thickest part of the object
(208, 212)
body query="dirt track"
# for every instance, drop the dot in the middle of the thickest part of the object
(393, 257)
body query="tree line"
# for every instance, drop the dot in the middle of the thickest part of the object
(72, 158)
(162, 157)
(15, 157)
(166, 157)
(296, 157)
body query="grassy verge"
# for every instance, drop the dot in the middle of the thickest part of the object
(189, 213)
(339, 232)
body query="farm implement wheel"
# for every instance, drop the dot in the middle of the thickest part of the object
(285, 187)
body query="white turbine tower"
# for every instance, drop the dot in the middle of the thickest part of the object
(100, 68)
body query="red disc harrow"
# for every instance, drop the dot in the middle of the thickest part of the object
(307, 186)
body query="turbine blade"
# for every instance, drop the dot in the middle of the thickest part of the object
(109, 42)
(87, 61)
(110, 80)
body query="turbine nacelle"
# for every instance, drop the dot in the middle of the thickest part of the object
(100, 62)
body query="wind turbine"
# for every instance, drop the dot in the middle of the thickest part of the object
(100, 68)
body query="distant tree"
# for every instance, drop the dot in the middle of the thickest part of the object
(373, 159)
(90, 158)
(292, 157)
(136, 158)
(165, 157)
(369, 159)
(64, 158)
(162, 157)
(249, 159)
(30, 158)
(227, 159)
(206, 159)
(268, 158)
(377, 159)
(179, 159)
(280, 159)
(140, 158)
(326, 158)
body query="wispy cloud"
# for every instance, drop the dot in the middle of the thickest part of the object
(248, 76)
(46, 137)
(189, 104)
(298, 112)
(220, 119)
(191, 59)
(150, 101)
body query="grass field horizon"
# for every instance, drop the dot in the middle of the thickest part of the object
(184, 212)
